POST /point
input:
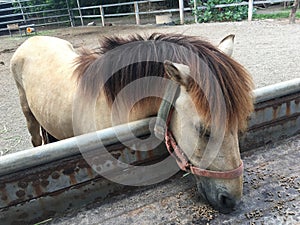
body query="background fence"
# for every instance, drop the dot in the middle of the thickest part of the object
(61, 13)
(43, 14)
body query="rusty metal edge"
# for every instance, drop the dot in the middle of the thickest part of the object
(45, 207)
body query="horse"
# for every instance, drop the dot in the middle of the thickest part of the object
(212, 97)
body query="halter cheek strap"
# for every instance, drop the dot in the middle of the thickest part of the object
(172, 92)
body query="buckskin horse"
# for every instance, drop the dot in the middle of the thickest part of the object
(210, 103)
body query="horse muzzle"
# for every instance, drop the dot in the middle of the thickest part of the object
(218, 195)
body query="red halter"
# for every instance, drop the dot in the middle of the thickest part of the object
(184, 164)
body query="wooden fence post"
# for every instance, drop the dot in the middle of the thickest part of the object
(70, 14)
(250, 10)
(137, 15)
(80, 14)
(181, 11)
(102, 15)
(293, 11)
(22, 12)
(195, 11)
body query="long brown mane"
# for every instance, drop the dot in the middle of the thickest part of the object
(119, 61)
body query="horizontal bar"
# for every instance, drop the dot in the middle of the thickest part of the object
(277, 90)
(130, 3)
(86, 16)
(9, 9)
(20, 1)
(51, 152)
(159, 11)
(86, 7)
(27, 25)
(52, 23)
(225, 5)
(119, 14)
(12, 21)
(11, 15)
(43, 24)
(270, 2)
(145, 13)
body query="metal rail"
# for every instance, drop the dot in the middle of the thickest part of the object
(37, 183)
(277, 114)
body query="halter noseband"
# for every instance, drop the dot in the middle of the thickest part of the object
(185, 165)
(165, 113)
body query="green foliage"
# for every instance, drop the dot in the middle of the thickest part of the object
(209, 12)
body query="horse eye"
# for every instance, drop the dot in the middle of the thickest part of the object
(202, 131)
(206, 134)
(199, 129)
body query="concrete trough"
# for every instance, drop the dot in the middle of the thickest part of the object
(37, 183)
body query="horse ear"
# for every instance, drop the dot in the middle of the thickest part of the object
(180, 73)
(226, 45)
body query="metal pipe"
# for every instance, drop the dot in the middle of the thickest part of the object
(21, 160)
(80, 14)
(277, 90)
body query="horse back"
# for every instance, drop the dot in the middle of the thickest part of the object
(43, 69)
(39, 51)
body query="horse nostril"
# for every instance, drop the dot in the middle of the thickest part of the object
(226, 202)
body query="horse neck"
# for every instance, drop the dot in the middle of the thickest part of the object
(145, 108)
(116, 114)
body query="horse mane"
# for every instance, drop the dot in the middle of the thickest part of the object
(119, 61)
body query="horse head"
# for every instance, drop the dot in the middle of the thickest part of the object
(209, 150)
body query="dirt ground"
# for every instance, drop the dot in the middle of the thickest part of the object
(268, 49)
